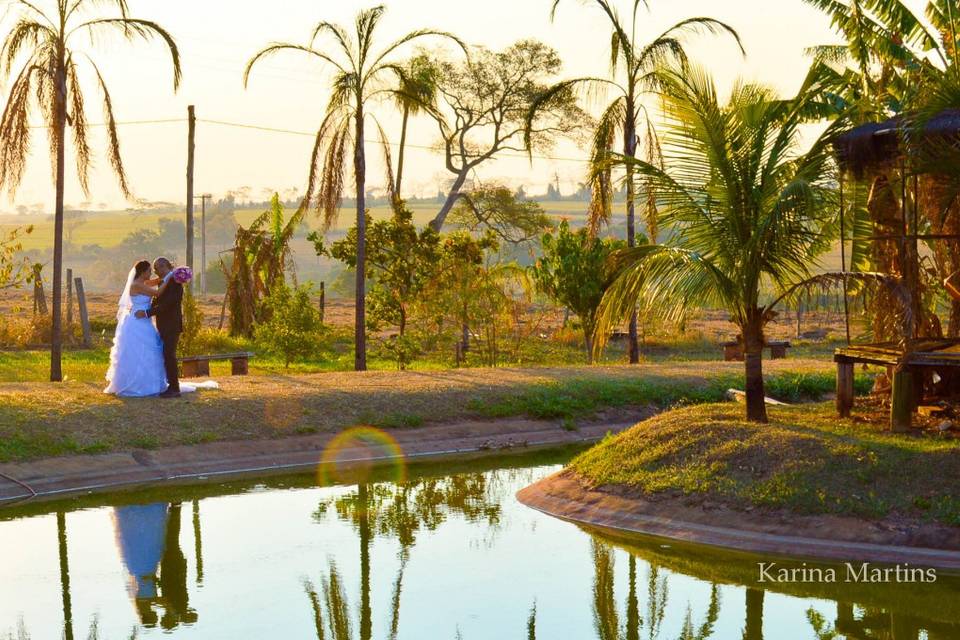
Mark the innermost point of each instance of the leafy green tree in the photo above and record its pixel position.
(48, 83)
(400, 262)
(633, 73)
(497, 208)
(292, 328)
(574, 272)
(746, 207)
(360, 73)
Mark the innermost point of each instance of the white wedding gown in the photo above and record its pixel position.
(136, 359)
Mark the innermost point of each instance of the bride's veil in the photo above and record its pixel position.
(126, 303)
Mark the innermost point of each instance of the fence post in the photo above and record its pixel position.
(323, 301)
(69, 297)
(84, 318)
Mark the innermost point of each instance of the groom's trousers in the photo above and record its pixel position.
(170, 341)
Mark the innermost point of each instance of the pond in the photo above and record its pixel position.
(443, 554)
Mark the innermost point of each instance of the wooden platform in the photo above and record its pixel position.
(906, 373)
(926, 352)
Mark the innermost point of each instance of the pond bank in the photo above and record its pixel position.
(805, 485)
(67, 476)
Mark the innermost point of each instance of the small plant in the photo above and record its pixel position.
(192, 324)
(292, 328)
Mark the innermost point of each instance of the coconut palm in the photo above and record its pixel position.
(746, 208)
(45, 46)
(415, 93)
(360, 77)
(633, 65)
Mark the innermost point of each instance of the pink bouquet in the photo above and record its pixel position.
(183, 275)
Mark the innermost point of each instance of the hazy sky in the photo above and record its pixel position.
(217, 37)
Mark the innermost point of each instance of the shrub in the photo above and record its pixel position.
(292, 327)
(192, 324)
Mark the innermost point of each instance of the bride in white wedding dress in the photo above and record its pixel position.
(136, 359)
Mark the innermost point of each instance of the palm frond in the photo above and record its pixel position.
(137, 28)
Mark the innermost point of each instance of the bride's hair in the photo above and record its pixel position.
(140, 268)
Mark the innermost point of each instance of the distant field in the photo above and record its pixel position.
(107, 229)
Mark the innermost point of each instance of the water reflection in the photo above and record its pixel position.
(435, 556)
(148, 539)
(399, 510)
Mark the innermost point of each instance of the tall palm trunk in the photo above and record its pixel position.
(56, 332)
(753, 367)
(400, 151)
(360, 321)
(630, 150)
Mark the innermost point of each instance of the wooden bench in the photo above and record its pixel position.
(733, 350)
(194, 366)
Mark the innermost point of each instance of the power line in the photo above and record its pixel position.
(256, 127)
(119, 124)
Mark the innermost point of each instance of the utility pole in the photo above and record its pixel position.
(203, 241)
(191, 134)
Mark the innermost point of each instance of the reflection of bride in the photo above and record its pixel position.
(148, 538)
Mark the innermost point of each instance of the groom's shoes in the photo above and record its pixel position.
(170, 393)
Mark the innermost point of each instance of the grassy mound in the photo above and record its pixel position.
(805, 460)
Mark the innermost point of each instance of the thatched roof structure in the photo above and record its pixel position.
(876, 144)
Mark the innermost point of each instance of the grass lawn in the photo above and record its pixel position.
(805, 460)
(38, 419)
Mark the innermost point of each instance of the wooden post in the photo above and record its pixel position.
(844, 388)
(84, 318)
(901, 400)
(39, 298)
(191, 133)
(69, 297)
(323, 301)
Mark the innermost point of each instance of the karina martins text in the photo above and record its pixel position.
(848, 572)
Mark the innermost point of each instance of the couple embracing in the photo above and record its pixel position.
(143, 360)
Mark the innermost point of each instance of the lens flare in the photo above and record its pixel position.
(351, 456)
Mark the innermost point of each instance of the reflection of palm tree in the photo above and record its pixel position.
(605, 618)
(64, 576)
(706, 629)
(656, 600)
(401, 510)
(605, 613)
(338, 608)
(821, 629)
(754, 605)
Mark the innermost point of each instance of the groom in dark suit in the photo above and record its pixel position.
(167, 309)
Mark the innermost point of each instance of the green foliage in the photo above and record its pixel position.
(260, 261)
(14, 269)
(498, 209)
(574, 273)
(292, 328)
(400, 262)
(192, 324)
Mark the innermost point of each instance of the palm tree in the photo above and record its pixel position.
(747, 210)
(48, 83)
(622, 118)
(415, 93)
(360, 74)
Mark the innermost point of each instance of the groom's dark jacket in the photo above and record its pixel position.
(166, 308)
